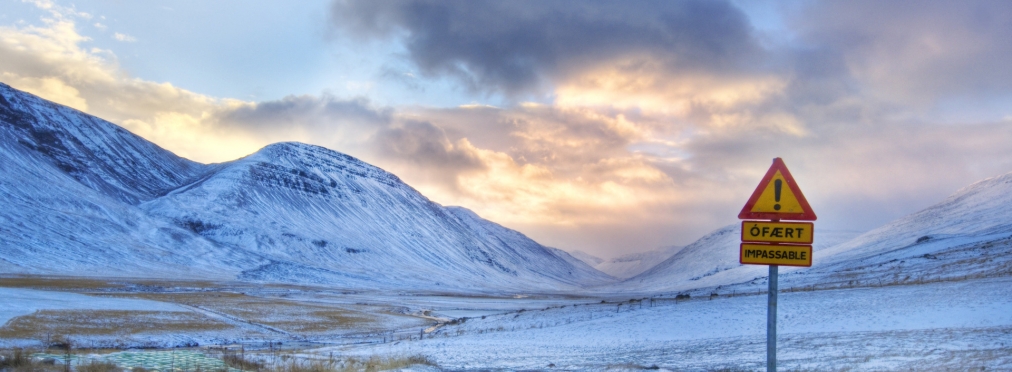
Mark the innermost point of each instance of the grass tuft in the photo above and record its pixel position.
(238, 361)
(19, 360)
(14, 359)
(99, 366)
(373, 364)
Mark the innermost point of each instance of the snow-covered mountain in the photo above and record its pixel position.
(312, 206)
(968, 234)
(627, 265)
(86, 197)
(67, 181)
(587, 258)
(92, 151)
(713, 260)
(632, 264)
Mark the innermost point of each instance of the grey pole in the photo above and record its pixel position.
(771, 322)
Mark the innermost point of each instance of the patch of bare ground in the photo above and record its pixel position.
(44, 324)
(58, 283)
(345, 365)
(289, 316)
(91, 284)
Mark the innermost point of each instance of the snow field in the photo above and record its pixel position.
(865, 328)
(20, 301)
(129, 316)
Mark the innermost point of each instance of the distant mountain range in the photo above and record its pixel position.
(969, 234)
(83, 196)
(631, 264)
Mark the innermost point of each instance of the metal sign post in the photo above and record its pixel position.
(771, 321)
(773, 242)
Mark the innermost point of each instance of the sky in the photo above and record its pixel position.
(609, 127)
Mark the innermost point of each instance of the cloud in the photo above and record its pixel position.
(49, 60)
(306, 111)
(426, 147)
(916, 55)
(520, 48)
(652, 123)
(124, 37)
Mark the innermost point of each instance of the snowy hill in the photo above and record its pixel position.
(969, 234)
(627, 265)
(713, 260)
(66, 184)
(85, 197)
(632, 264)
(982, 209)
(92, 151)
(512, 238)
(312, 206)
(587, 258)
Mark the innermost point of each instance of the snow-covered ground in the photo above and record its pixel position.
(960, 324)
(941, 325)
(20, 301)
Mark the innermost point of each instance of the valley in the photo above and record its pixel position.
(112, 245)
(953, 323)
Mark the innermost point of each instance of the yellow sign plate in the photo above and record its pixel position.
(777, 232)
(776, 254)
(776, 197)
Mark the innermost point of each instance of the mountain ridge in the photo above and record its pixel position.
(285, 211)
(98, 154)
(967, 233)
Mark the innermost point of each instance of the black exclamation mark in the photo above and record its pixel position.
(777, 184)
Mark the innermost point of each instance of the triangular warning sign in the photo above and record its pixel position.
(777, 197)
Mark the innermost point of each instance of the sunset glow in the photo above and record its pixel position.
(602, 127)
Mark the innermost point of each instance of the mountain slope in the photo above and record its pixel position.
(96, 153)
(65, 200)
(713, 260)
(969, 234)
(546, 261)
(587, 258)
(632, 264)
(319, 208)
(85, 197)
(981, 209)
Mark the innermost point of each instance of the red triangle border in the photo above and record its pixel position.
(807, 213)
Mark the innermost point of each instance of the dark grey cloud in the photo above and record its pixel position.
(921, 50)
(515, 47)
(426, 145)
(356, 127)
(306, 110)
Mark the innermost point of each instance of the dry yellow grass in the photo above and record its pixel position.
(222, 298)
(373, 364)
(57, 283)
(48, 323)
(20, 360)
(88, 284)
(290, 316)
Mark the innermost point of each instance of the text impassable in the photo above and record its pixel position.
(777, 232)
(776, 254)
